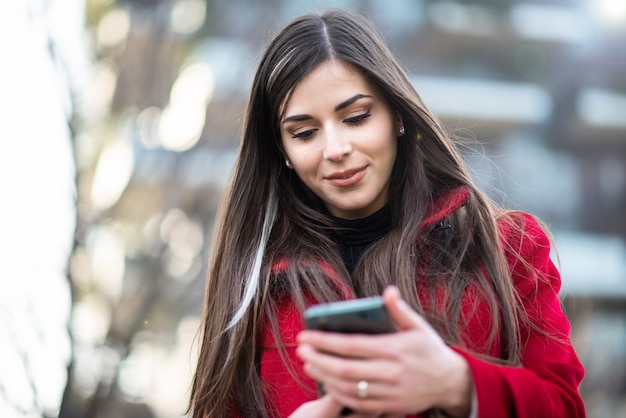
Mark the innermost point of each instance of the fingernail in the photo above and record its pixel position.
(303, 350)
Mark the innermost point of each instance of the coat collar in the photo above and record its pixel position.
(445, 204)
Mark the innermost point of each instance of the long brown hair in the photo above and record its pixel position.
(268, 215)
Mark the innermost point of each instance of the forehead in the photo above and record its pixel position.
(330, 80)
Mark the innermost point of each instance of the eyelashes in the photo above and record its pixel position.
(304, 134)
(352, 121)
(358, 119)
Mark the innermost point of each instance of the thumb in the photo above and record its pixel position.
(400, 312)
(329, 406)
(324, 407)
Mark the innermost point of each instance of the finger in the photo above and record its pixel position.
(365, 406)
(401, 313)
(329, 407)
(364, 415)
(324, 407)
(348, 345)
(375, 389)
(322, 366)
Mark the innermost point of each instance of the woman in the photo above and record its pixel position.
(346, 186)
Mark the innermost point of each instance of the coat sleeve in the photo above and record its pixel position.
(547, 382)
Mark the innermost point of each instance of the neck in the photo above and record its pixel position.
(356, 235)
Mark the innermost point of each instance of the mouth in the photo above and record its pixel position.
(346, 178)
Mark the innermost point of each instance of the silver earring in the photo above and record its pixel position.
(288, 163)
(402, 131)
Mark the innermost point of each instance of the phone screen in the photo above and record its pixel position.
(357, 316)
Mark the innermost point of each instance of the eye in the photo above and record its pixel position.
(303, 134)
(358, 119)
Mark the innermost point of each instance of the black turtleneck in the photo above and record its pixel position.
(356, 235)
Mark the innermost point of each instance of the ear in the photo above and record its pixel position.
(283, 153)
(399, 124)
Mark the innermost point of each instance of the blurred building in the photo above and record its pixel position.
(535, 91)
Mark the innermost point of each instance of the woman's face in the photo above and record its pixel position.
(340, 134)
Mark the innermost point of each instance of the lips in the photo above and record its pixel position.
(347, 178)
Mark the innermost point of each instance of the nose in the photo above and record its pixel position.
(336, 146)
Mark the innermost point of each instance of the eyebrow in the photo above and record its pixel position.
(340, 106)
(351, 100)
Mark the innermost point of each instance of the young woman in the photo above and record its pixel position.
(346, 186)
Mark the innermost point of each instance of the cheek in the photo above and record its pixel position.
(385, 145)
(388, 155)
(303, 157)
(305, 168)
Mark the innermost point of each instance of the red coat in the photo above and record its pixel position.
(546, 385)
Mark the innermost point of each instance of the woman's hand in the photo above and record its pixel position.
(328, 407)
(324, 407)
(408, 371)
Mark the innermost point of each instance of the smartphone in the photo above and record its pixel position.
(357, 316)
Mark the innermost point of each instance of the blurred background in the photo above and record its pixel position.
(120, 123)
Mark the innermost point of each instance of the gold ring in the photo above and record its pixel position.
(362, 387)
